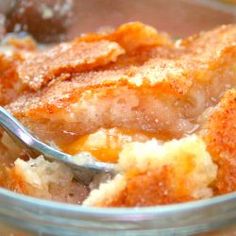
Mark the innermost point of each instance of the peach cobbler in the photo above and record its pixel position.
(163, 110)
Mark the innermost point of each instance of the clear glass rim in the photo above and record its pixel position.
(73, 208)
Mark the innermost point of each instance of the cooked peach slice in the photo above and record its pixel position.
(105, 144)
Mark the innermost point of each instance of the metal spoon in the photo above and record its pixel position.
(84, 166)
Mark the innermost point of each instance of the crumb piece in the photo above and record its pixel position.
(154, 173)
(41, 178)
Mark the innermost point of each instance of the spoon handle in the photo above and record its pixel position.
(83, 171)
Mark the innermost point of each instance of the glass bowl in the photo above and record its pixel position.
(22, 215)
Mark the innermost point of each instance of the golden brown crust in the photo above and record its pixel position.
(149, 189)
(183, 78)
(171, 70)
(221, 140)
(131, 36)
(8, 78)
(72, 57)
(211, 42)
(87, 53)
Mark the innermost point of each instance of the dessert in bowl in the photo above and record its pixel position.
(162, 109)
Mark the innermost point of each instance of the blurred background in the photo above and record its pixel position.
(58, 20)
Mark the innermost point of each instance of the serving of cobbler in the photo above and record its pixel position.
(164, 110)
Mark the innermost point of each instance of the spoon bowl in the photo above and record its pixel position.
(84, 166)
